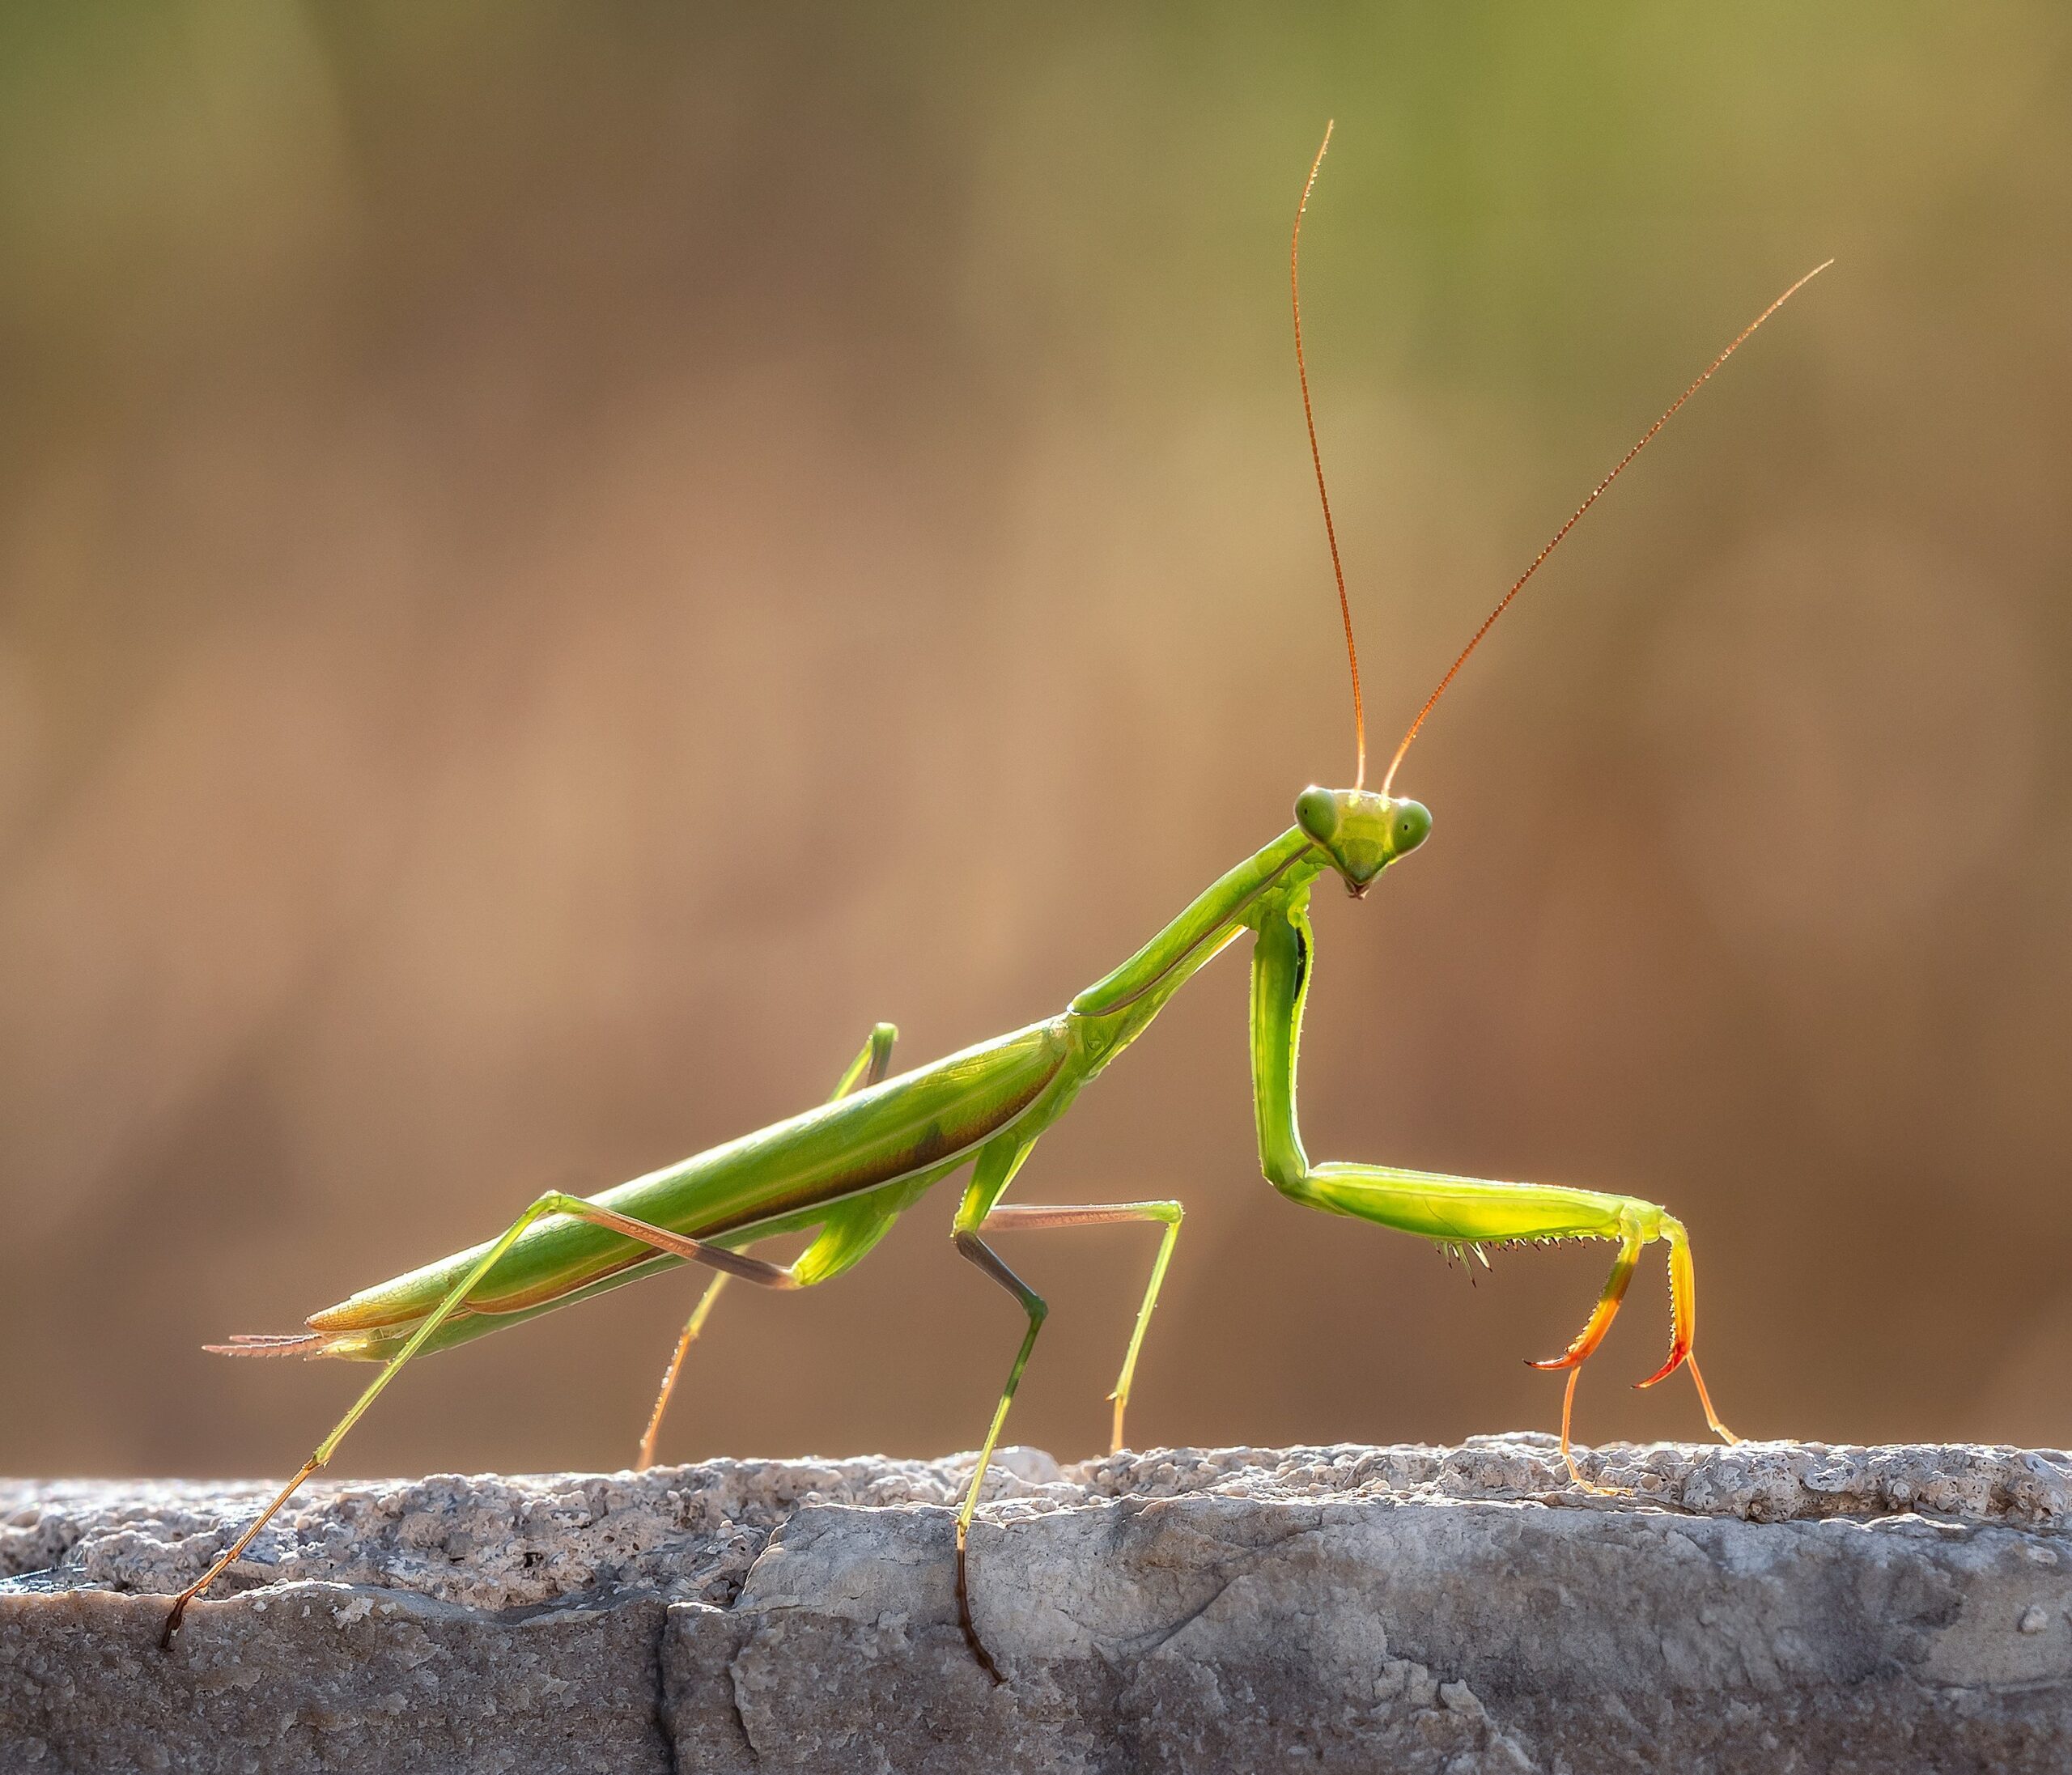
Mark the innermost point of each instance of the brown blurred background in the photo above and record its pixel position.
(557, 561)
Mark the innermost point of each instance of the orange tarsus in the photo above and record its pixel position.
(1646, 438)
(1316, 455)
(1706, 1399)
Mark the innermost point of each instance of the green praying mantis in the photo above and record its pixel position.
(846, 1170)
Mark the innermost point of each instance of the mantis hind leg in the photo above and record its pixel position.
(553, 1203)
(692, 1326)
(869, 1068)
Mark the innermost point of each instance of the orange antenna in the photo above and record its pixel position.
(1647, 438)
(1316, 456)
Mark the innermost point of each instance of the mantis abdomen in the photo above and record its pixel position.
(888, 1140)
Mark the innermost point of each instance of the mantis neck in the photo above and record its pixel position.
(1114, 1010)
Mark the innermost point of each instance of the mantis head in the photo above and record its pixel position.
(1362, 832)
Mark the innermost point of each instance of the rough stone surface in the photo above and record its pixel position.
(1778, 1608)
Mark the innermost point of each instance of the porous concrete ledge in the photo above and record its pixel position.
(1779, 1608)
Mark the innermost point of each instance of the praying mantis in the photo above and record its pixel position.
(846, 1170)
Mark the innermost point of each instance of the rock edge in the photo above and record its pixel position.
(1774, 1606)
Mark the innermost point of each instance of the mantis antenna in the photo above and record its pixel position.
(1647, 438)
(1316, 456)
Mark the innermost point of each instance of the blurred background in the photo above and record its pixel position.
(557, 562)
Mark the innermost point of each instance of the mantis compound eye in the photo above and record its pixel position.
(1408, 827)
(1316, 812)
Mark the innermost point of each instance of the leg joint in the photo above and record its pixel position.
(1299, 1187)
(971, 1246)
(1641, 1223)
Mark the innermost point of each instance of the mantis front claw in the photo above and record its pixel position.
(1645, 1222)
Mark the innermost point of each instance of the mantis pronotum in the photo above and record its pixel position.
(846, 1170)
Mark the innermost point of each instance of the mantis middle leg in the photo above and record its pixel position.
(869, 1067)
(1031, 1220)
(995, 1170)
(1460, 1212)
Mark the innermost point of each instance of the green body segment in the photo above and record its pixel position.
(848, 1167)
(1163, 966)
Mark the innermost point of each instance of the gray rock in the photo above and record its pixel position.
(1780, 1607)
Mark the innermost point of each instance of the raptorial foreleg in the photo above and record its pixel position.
(1457, 1211)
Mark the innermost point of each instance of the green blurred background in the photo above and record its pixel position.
(558, 561)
